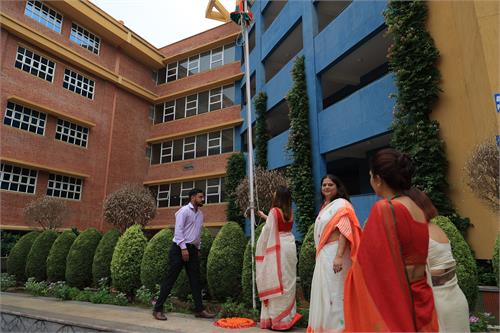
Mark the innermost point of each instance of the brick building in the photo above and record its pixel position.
(88, 105)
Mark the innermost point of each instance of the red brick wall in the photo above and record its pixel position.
(166, 216)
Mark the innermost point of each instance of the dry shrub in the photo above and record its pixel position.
(46, 212)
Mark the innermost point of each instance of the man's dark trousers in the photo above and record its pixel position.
(193, 272)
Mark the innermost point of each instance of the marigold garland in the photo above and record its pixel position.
(235, 322)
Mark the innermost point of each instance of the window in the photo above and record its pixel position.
(175, 194)
(215, 99)
(64, 187)
(43, 14)
(194, 65)
(85, 38)
(167, 150)
(172, 72)
(214, 143)
(189, 148)
(169, 111)
(35, 64)
(72, 133)
(78, 83)
(25, 118)
(272, 10)
(191, 105)
(216, 58)
(17, 179)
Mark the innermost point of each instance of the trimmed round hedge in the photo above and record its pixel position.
(466, 265)
(80, 258)
(101, 265)
(307, 261)
(16, 262)
(182, 288)
(246, 273)
(225, 262)
(36, 263)
(494, 259)
(127, 258)
(155, 261)
(56, 261)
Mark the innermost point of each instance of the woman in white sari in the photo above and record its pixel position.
(276, 265)
(337, 234)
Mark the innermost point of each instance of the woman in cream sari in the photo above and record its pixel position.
(337, 234)
(276, 265)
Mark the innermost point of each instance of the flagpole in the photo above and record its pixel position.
(250, 149)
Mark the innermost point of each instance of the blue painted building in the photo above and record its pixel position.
(350, 111)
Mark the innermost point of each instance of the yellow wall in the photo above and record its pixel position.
(467, 36)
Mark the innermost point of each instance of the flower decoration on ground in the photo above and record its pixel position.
(235, 323)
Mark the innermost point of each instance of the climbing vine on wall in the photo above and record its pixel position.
(261, 133)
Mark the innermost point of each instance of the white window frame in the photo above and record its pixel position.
(185, 150)
(187, 189)
(193, 65)
(218, 187)
(214, 55)
(186, 108)
(174, 71)
(167, 151)
(84, 38)
(167, 199)
(18, 179)
(69, 131)
(44, 15)
(214, 143)
(25, 117)
(57, 182)
(169, 110)
(215, 97)
(75, 81)
(41, 68)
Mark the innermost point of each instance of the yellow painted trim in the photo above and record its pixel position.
(24, 227)
(172, 226)
(218, 126)
(200, 88)
(180, 179)
(59, 114)
(201, 48)
(38, 39)
(43, 167)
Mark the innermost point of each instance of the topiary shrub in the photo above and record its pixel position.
(101, 265)
(307, 261)
(80, 258)
(246, 273)
(225, 262)
(182, 288)
(16, 262)
(155, 261)
(466, 265)
(494, 259)
(56, 261)
(126, 261)
(36, 263)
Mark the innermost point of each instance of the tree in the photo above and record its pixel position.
(482, 174)
(266, 183)
(261, 134)
(131, 204)
(235, 172)
(299, 146)
(413, 61)
(46, 212)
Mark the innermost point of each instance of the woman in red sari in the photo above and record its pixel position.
(386, 288)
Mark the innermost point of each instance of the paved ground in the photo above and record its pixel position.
(107, 317)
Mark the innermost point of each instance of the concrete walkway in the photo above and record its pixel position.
(103, 317)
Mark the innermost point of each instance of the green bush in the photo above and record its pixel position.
(234, 309)
(246, 273)
(466, 265)
(307, 261)
(7, 242)
(62, 291)
(182, 288)
(16, 262)
(80, 258)
(56, 261)
(36, 263)
(101, 265)
(154, 263)
(126, 261)
(36, 288)
(494, 260)
(7, 281)
(225, 262)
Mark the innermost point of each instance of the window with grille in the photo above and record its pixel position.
(85, 38)
(35, 64)
(64, 187)
(191, 105)
(176, 194)
(215, 99)
(24, 118)
(44, 15)
(78, 83)
(18, 179)
(72, 133)
(172, 72)
(216, 58)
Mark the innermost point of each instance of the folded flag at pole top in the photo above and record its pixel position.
(240, 14)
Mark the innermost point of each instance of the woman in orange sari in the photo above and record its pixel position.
(386, 288)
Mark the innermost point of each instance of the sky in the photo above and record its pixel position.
(163, 22)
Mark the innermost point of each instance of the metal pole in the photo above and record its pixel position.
(250, 151)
